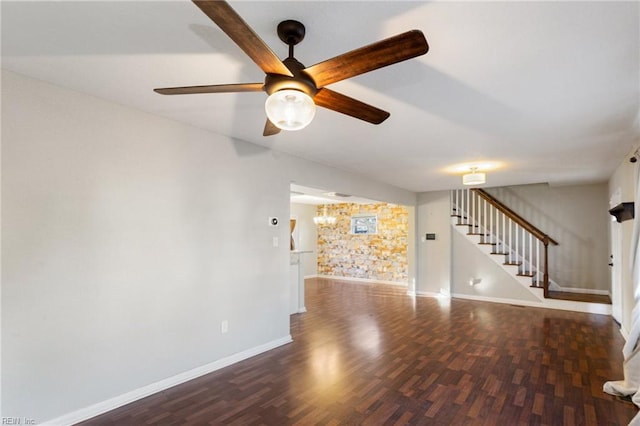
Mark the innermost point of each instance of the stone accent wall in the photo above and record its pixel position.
(382, 256)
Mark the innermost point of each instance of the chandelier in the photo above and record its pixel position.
(324, 219)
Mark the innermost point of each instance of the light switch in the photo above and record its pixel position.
(276, 242)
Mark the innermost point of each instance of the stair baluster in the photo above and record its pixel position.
(484, 217)
(537, 263)
(512, 235)
(508, 233)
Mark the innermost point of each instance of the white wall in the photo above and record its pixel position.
(307, 236)
(623, 179)
(434, 256)
(127, 239)
(469, 262)
(577, 218)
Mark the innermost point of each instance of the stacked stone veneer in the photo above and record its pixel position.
(381, 257)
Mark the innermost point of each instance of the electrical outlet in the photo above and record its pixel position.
(224, 326)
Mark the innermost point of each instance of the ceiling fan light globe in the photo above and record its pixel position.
(290, 109)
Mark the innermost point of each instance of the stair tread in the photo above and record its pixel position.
(513, 263)
(525, 274)
(499, 252)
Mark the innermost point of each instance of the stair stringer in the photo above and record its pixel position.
(511, 270)
(538, 292)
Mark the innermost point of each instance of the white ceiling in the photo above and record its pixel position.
(316, 196)
(548, 90)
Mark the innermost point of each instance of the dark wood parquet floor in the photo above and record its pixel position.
(368, 354)
(592, 298)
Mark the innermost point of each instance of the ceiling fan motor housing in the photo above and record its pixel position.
(291, 33)
(300, 80)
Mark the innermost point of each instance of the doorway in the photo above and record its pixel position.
(345, 248)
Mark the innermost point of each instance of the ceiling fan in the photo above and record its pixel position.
(294, 90)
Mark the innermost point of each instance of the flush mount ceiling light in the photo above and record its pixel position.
(324, 219)
(474, 178)
(290, 109)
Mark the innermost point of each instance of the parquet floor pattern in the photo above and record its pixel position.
(368, 354)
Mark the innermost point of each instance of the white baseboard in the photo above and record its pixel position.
(426, 294)
(134, 395)
(362, 280)
(624, 332)
(563, 305)
(498, 300)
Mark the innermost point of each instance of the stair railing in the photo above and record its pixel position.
(510, 234)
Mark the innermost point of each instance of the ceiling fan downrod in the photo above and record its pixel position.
(291, 33)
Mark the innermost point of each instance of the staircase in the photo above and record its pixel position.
(517, 246)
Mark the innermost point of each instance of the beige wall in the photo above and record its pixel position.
(381, 256)
(577, 217)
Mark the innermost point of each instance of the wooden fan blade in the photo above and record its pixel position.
(216, 88)
(270, 129)
(241, 33)
(341, 103)
(368, 58)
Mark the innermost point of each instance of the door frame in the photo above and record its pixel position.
(615, 261)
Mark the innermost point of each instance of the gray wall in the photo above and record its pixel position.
(433, 256)
(127, 239)
(577, 217)
(574, 215)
